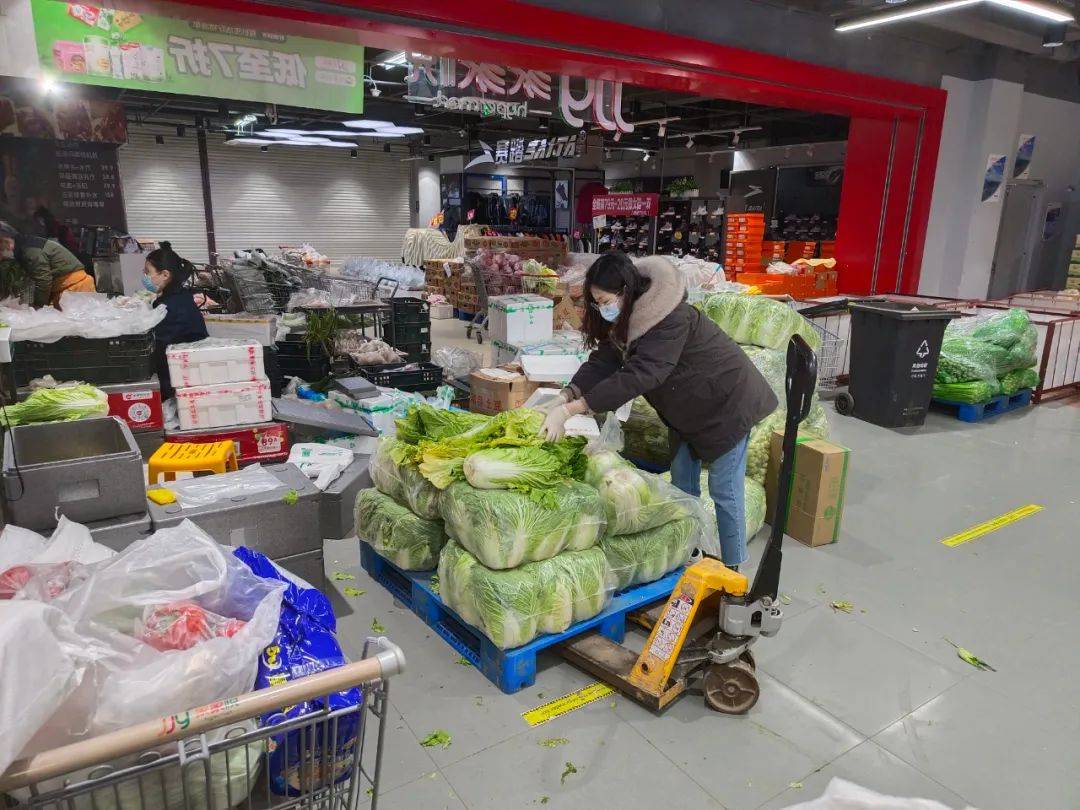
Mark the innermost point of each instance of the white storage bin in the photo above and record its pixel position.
(519, 319)
(214, 361)
(440, 312)
(242, 326)
(213, 406)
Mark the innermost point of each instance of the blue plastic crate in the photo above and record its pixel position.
(510, 670)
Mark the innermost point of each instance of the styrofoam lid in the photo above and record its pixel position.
(550, 367)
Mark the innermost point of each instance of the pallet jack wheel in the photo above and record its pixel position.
(731, 688)
(844, 404)
(480, 336)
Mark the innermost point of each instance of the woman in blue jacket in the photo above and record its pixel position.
(167, 275)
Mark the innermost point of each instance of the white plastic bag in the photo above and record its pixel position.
(195, 492)
(42, 568)
(843, 795)
(128, 681)
(321, 462)
(88, 315)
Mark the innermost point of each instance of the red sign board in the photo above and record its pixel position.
(626, 205)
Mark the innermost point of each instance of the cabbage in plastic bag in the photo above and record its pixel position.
(410, 542)
(512, 607)
(754, 506)
(759, 321)
(645, 436)
(504, 529)
(648, 555)
(987, 348)
(633, 500)
(403, 482)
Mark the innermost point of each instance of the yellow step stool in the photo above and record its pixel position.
(174, 457)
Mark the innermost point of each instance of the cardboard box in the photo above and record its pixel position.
(567, 315)
(494, 390)
(818, 481)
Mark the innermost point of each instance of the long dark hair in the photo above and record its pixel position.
(180, 269)
(614, 273)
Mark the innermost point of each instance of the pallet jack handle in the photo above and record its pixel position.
(799, 385)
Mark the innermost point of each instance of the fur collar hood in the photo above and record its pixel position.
(666, 291)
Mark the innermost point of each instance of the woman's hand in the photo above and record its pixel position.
(555, 425)
(549, 405)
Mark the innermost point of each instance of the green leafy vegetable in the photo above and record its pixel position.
(756, 320)
(634, 501)
(505, 529)
(646, 556)
(341, 576)
(842, 606)
(349, 590)
(408, 541)
(62, 404)
(434, 584)
(436, 738)
(569, 769)
(426, 422)
(377, 627)
(290, 498)
(395, 475)
(465, 662)
(971, 658)
(971, 391)
(554, 742)
(645, 437)
(512, 607)
(1017, 380)
(531, 470)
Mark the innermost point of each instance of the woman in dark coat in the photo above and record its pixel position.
(649, 342)
(167, 274)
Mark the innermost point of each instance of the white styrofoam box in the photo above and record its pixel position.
(440, 312)
(235, 403)
(242, 326)
(520, 319)
(214, 361)
(561, 342)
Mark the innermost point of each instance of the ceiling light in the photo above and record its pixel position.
(1035, 8)
(1054, 35)
(247, 141)
(245, 120)
(607, 154)
(49, 85)
(353, 153)
(399, 59)
(542, 126)
(646, 156)
(337, 133)
(662, 131)
(906, 13)
(311, 140)
(400, 131)
(281, 132)
(367, 123)
(377, 133)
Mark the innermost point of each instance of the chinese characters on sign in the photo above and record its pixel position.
(207, 59)
(626, 205)
(88, 181)
(520, 150)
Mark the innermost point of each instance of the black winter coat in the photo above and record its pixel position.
(703, 386)
(183, 323)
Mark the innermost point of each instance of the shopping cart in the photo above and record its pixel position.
(831, 358)
(210, 758)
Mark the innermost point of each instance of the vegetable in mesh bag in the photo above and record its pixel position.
(504, 529)
(408, 541)
(512, 607)
(62, 404)
(648, 555)
(971, 392)
(752, 319)
(1018, 380)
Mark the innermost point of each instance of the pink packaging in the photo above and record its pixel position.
(69, 57)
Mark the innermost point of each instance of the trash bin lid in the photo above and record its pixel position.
(905, 312)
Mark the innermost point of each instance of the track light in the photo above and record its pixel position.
(618, 135)
(543, 126)
(264, 148)
(180, 130)
(906, 13)
(607, 154)
(353, 153)
(431, 158)
(159, 140)
(690, 142)
(386, 148)
(646, 156)
(1045, 11)
(1054, 35)
(662, 131)
(735, 138)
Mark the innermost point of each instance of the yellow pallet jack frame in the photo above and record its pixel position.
(713, 616)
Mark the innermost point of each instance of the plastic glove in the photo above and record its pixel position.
(555, 425)
(548, 405)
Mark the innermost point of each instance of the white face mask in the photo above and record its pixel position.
(610, 311)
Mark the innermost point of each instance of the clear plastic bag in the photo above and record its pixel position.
(128, 681)
(403, 482)
(505, 529)
(323, 463)
(195, 492)
(410, 542)
(512, 607)
(645, 436)
(759, 321)
(458, 363)
(647, 555)
(88, 315)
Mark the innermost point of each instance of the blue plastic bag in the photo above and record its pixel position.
(305, 644)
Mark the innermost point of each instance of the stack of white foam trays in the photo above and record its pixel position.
(219, 382)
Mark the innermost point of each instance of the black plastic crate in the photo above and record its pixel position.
(426, 377)
(415, 352)
(410, 310)
(103, 361)
(314, 370)
(401, 334)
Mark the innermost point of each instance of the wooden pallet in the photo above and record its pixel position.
(515, 669)
(977, 412)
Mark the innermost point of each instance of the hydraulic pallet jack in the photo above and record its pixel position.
(714, 616)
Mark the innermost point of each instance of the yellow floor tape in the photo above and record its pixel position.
(566, 703)
(991, 525)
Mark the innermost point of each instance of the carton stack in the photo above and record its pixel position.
(439, 275)
(463, 295)
(743, 235)
(828, 249)
(513, 320)
(219, 383)
(800, 250)
(772, 251)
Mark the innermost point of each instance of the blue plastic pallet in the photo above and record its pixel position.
(976, 412)
(510, 670)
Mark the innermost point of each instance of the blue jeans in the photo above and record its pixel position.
(726, 489)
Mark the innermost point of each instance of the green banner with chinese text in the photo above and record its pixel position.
(117, 48)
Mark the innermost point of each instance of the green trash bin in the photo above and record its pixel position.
(894, 357)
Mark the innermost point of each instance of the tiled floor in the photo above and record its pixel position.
(876, 696)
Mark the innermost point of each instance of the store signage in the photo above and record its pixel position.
(626, 205)
(511, 151)
(68, 119)
(600, 102)
(480, 88)
(118, 48)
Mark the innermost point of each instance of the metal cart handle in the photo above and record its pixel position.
(388, 661)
